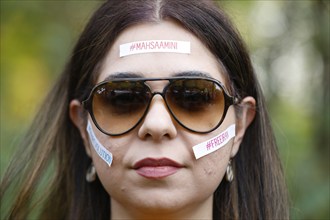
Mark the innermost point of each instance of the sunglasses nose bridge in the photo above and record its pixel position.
(161, 94)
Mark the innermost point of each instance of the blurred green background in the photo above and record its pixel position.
(289, 45)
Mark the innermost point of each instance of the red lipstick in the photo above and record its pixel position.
(156, 168)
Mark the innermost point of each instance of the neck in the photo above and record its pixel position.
(197, 211)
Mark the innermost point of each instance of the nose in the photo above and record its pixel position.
(158, 123)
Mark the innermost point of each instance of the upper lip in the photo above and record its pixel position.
(156, 162)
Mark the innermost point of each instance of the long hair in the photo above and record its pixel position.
(49, 174)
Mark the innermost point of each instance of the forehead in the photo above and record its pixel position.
(160, 64)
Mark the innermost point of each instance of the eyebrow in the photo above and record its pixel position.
(193, 73)
(123, 75)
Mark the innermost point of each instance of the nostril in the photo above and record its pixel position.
(144, 135)
(154, 135)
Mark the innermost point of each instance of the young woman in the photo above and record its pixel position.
(158, 115)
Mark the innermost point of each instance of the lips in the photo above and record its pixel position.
(156, 168)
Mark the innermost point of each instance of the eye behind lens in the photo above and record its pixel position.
(118, 106)
(196, 104)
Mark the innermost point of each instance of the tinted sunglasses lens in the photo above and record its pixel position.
(198, 104)
(118, 106)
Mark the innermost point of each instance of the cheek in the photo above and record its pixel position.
(107, 174)
(211, 168)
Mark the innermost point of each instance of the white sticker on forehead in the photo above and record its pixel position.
(154, 46)
(214, 143)
(99, 148)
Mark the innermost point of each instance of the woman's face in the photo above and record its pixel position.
(188, 186)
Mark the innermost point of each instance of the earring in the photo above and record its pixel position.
(91, 173)
(229, 172)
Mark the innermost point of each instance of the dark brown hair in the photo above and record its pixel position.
(54, 158)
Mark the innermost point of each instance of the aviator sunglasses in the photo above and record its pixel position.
(199, 104)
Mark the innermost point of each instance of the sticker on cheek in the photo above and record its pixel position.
(99, 148)
(154, 46)
(215, 143)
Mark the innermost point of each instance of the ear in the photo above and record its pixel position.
(244, 116)
(77, 117)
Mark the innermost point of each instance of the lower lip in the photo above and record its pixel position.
(157, 172)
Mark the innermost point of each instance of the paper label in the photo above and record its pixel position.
(151, 46)
(214, 143)
(99, 148)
